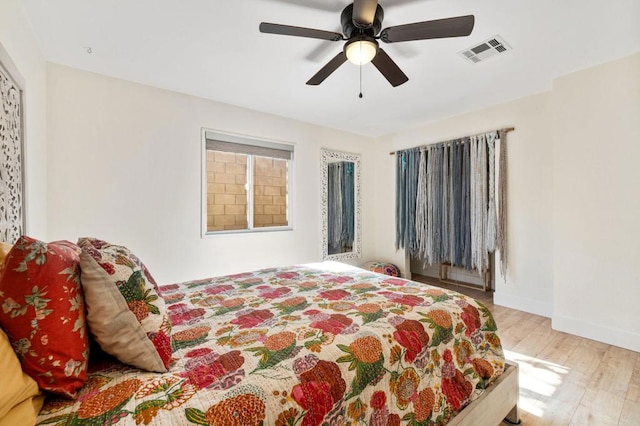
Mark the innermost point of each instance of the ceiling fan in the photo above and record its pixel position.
(361, 24)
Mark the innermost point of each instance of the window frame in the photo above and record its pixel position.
(221, 136)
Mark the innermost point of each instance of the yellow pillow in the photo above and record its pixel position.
(5, 248)
(20, 398)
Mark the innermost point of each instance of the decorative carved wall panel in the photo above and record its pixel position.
(11, 159)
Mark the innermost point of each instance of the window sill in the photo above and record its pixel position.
(247, 231)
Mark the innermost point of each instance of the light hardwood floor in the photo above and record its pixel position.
(564, 379)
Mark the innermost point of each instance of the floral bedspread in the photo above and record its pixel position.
(301, 346)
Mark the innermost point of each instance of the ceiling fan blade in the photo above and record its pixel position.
(440, 28)
(266, 27)
(364, 11)
(389, 69)
(328, 69)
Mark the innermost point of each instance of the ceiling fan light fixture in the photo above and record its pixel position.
(361, 50)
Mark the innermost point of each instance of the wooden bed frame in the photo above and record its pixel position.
(497, 404)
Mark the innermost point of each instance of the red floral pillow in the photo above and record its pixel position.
(126, 315)
(42, 311)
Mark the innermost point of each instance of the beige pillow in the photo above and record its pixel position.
(20, 398)
(126, 315)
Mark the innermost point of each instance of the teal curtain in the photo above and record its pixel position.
(445, 212)
(407, 168)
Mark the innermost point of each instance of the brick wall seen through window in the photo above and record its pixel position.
(228, 195)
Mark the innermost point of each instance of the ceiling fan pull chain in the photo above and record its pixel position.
(360, 95)
(360, 68)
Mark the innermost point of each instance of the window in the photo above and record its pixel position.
(247, 185)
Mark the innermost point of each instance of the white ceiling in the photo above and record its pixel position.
(213, 49)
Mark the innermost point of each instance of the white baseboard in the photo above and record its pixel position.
(523, 304)
(602, 333)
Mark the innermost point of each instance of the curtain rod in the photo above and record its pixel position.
(505, 130)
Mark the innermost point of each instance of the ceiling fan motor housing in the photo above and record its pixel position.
(350, 29)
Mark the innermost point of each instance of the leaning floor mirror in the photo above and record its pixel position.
(340, 205)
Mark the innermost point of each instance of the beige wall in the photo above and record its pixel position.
(18, 44)
(596, 206)
(573, 199)
(124, 164)
(130, 150)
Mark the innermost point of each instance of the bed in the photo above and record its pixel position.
(321, 344)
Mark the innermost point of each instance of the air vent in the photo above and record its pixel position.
(485, 50)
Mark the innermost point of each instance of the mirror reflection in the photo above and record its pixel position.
(340, 205)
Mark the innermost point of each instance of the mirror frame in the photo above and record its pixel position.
(327, 156)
